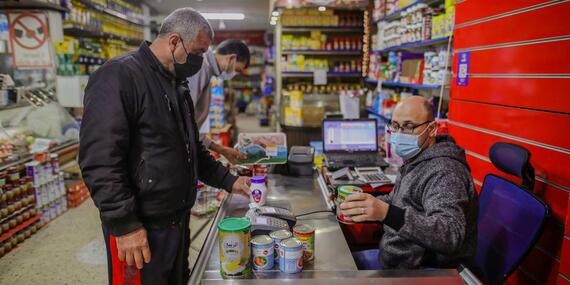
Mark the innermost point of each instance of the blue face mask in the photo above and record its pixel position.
(406, 146)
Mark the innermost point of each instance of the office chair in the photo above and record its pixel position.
(511, 217)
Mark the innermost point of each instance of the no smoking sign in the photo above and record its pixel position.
(29, 36)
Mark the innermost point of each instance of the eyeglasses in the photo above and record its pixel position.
(407, 128)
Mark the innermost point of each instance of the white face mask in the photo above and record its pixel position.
(230, 72)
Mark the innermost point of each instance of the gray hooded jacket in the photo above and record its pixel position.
(432, 219)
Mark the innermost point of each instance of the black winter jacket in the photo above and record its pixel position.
(139, 151)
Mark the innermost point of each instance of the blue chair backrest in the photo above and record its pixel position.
(513, 159)
(511, 219)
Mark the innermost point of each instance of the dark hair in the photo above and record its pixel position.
(237, 47)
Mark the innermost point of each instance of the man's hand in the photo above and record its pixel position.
(229, 153)
(362, 207)
(232, 155)
(133, 248)
(241, 186)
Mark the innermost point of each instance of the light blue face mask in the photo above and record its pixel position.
(406, 146)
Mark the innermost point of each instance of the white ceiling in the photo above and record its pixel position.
(256, 11)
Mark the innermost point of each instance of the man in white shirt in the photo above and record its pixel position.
(228, 59)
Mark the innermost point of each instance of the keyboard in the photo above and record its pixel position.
(338, 161)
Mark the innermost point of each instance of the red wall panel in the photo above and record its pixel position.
(546, 162)
(541, 23)
(540, 58)
(552, 237)
(546, 127)
(565, 260)
(518, 92)
(562, 281)
(467, 10)
(542, 267)
(551, 195)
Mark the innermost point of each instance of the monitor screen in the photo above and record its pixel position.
(357, 135)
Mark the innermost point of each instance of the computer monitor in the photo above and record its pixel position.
(350, 136)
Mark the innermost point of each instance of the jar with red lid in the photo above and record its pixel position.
(9, 193)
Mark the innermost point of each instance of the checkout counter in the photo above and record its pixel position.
(333, 263)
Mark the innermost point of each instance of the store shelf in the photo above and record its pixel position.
(30, 4)
(321, 29)
(18, 212)
(418, 44)
(401, 84)
(83, 32)
(330, 73)
(112, 13)
(397, 14)
(19, 227)
(26, 158)
(384, 118)
(410, 85)
(322, 52)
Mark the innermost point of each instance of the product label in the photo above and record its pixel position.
(263, 258)
(290, 261)
(463, 69)
(256, 195)
(232, 247)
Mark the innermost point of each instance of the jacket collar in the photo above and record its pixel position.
(154, 63)
(211, 58)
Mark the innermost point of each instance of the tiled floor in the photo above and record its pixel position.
(71, 250)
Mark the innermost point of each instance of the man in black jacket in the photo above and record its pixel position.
(140, 155)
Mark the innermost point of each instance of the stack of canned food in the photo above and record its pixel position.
(282, 249)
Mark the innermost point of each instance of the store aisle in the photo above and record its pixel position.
(250, 124)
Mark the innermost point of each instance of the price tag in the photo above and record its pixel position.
(320, 77)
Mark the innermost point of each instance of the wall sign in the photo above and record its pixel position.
(463, 69)
(29, 38)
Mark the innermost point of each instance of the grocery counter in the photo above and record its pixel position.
(333, 263)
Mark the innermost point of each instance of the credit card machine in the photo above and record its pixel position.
(267, 219)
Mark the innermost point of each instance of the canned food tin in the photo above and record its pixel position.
(262, 252)
(233, 236)
(291, 256)
(343, 192)
(278, 236)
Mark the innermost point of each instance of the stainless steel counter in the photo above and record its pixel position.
(333, 262)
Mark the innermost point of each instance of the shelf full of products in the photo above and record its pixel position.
(315, 46)
(424, 27)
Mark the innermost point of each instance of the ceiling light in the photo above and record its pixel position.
(224, 16)
(322, 8)
(274, 18)
(275, 13)
(273, 23)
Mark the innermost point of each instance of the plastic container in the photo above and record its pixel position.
(234, 238)
(258, 190)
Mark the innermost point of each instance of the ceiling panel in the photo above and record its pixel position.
(256, 11)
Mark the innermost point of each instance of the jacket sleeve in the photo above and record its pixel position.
(442, 225)
(104, 148)
(210, 171)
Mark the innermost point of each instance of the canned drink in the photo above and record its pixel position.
(306, 234)
(278, 236)
(262, 252)
(233, 236)
(291, 256)
(343, 192)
